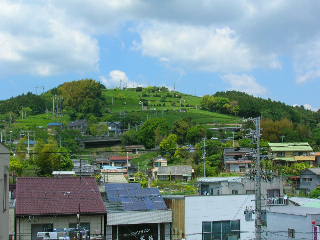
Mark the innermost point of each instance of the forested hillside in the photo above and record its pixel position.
(250, 106)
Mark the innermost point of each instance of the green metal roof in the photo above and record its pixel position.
(287, 159)
(290, 147)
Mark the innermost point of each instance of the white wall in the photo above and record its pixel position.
(4, 213)
(279, 223)
(217, 208)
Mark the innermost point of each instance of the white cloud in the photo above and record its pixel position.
(49, 37)
(307, 61)
(203, 48)
(244, 83)
(119, 79)
(35, 39)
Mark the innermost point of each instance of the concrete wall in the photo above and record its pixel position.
(4, 193)
(199, 209)
(23, 224)
(279, 223)
(226, 188)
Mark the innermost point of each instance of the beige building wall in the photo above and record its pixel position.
(4, 193)
(23, 224)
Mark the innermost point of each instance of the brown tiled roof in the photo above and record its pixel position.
(120, 158)
(58, 196)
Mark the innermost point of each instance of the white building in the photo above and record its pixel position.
(292, 222)
(4, 193)
(212, 217)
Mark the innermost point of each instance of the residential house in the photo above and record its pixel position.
(120, 161)
(43, 204)
(112, 174)
(309, 179)
(212, 217)
(238, 159)
(4, 193)
(53, 127)
(80, 125)
(156, 163)
(135, 148)
(134, 212)
(179, 172)
(272, 190)
(292, 222)
(115, 128)
(83, 167)
(289, 153)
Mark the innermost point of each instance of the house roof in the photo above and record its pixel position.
(183, 170)
(219, 179)
(316, 171)
(294, 210)
(58, 196)
(305, 202)
(287, 147)
(120, 158)
(55, 124)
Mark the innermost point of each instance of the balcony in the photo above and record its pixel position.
(277, 201)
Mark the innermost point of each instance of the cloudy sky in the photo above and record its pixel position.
(266, 48)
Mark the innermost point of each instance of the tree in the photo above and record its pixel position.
(315, 193)
(51, 158)
(99, 129)
(168, 146)
(180, 128)
(153, 131)
(16, 165)
(195, 134)
(83, 97)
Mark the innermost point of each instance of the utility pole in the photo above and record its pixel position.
(28, 150)
(258, 220)
(204, 157)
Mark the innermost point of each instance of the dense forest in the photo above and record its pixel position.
(250, 106)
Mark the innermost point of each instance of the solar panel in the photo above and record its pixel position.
(133, 197)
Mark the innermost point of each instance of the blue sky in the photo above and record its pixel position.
(265, 48)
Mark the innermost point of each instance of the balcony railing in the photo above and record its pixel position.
(277, 201)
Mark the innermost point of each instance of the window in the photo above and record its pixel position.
(280, 154)
(242, 168)
(221, 230)
(307, 179)
(5, 192)
(234, 192)
(291, 233)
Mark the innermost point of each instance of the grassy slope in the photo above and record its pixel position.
(128, 101)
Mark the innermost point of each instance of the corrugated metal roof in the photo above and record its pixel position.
(306, 202)
(287, 147)
(183, 170)
(294, 210)
(220, 179)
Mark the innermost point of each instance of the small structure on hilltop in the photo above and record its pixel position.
(80, 125)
